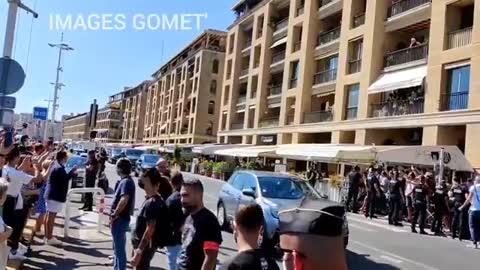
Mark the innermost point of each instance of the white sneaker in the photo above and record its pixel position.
(16, 256)
(53, 242)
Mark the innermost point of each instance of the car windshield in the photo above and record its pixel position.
(133, 152)
(285, 188)
(76, 161)
(116, 151)
(151, 158)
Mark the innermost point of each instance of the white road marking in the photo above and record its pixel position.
(372, 223)
(360, 227)
(424, 266)
(388, 258)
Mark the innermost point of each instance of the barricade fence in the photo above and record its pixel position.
(98, 193)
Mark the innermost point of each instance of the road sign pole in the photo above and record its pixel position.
(10, 31)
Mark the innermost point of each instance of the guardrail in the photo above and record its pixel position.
(100, 206)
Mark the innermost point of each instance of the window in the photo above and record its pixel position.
(458, 86)
(250, 183)
(239, 181)
(211, 107)
(356, 50)
(209, 130)
(215, 66)
(352, 99)
(294, 74)
(213, 87)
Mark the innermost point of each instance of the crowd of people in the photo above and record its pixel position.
(414, 196)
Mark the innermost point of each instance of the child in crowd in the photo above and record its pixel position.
(5, 230)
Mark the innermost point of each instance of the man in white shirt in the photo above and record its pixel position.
(474, 212)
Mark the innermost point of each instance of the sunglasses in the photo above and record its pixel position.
(282, 251)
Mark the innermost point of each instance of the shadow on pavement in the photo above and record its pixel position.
(361, 261)
(53, 262)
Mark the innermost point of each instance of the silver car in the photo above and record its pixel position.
(272, 191)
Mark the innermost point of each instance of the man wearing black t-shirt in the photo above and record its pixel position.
(247, 226)
(201, 236)
(177, 218)
(153, 223)
(92, 167)
(354, 178)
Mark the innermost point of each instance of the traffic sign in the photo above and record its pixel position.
(12, 76)
(40, 113)
(7, 102)
(6, 117)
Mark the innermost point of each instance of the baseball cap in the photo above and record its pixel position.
(313, 217)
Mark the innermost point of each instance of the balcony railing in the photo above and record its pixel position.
(242, 99)
(247, 44)
(358, 20)
(351, 113)
(281, 24)
(406, 55)
(455, 101)
(325, 2)
(293, 83)
(236, 126)
(290, 119)
(269, 122)
(328, 36)
(318, 117)
(277, 57)
(354, 66)
(404, 5)
(300, 10)
(460, 38)
(244, 72)
(325, 76)
(275, 90)
(399, 107)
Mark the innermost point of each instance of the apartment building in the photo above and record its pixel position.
(109, 124)
(131, 102)
(183, 102)
(390, 72)
(77, 127)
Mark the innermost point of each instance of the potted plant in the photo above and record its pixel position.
(217, 170)
(208, 168)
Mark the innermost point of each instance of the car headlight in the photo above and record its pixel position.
(274, 212)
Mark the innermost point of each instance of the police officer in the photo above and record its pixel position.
(354, 178)
(420, 202)
(396, 199)
(459, 193)
(440, 201)
(374, 193)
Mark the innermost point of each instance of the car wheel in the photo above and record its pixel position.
(222, 216)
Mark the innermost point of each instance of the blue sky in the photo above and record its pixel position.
(104, 61)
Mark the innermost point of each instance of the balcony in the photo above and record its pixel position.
(236, 126)
(351, 113)
(460, 38)
(398, 108)
(407, 55)
(318, 117)
(358, 20)
(325, 76)
(329, 7)
(241, 99)
(290, 119)
(328, 36)
(269, 122)
(278, 57)
(404, 5)
(300, 10)
(244, 72)
(354, 66)
(281, 25)
(247, 44)
(293, 83)
(275, 90)
(454, 101)
(325, 2)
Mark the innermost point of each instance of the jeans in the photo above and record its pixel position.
(172, 254)
(460, 222)
(395, 206)
(474, 221)
(119, 230)
(420, 215)
(371, 205)
(352, 196)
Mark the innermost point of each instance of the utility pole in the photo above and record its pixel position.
(57, 86)
(45, 128)
(13, 6)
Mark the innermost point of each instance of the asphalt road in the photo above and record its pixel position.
(373, 244)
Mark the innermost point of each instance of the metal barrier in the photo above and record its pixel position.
(100, 206)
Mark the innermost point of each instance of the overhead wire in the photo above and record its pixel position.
(30, 39)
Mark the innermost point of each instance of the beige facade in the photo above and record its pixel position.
(355, 72)
(132, 102)
(76, 127)
(182, 104)
(109, 124)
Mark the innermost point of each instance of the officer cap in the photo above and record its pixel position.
(321, 218)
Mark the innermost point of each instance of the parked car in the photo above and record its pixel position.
(115, 155)
(146, 161)
(132, 154)
(79, 161)
(273, 192)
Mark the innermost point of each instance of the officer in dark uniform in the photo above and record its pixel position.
(395, 200)
(373, 186)
(459, 193)
(354, 178)
(420, 202)
(440, 201)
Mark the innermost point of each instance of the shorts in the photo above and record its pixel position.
(54, 206)
(409, 202)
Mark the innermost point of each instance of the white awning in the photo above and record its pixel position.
(253, 151)
(148, 147)
(330, 153)
(209, 149)
(279, 42)
(398, 80)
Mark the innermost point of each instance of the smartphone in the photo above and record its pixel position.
(8, 138)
